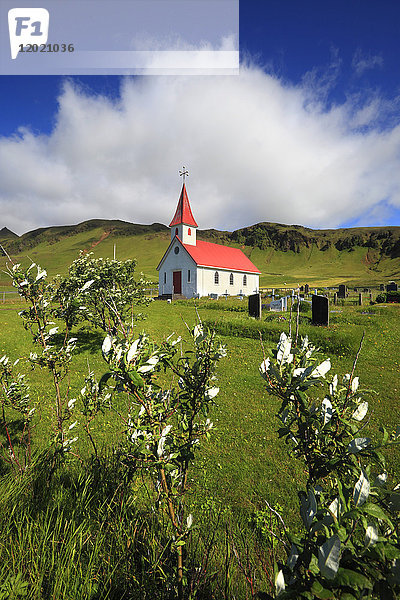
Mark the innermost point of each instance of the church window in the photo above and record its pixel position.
(244, 279)
(231, 279)
(165, 277)
(176, 231)
(176, 249)
(188, 275)
(189, 231)
(216, 278)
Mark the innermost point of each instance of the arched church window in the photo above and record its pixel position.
(165, 277)
(231, 279)
(244, 279)
(216, 278)
(176, 231)
(189, 231)
(176, 249)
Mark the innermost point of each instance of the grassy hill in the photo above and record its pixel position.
(285, 254)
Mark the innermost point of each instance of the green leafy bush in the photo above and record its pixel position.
(349, 547)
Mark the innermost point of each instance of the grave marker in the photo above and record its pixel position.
(342, 291)
(391, 287)
(255, 306)
(320, 310)
(306, 289)
(276, 305)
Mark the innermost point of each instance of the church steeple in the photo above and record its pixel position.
(183, 224)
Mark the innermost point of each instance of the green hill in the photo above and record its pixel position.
(285, 254)
(6, 234)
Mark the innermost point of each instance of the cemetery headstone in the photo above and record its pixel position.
(276, 305)
(320, 310)
(342, 291)
(335, 298)
(302, 288)
(391, 287)
(255, 306)
(306, 289)
(360, 299)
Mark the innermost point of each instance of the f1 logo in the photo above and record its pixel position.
(27, 25)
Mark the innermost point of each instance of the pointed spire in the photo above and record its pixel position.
(183, 213)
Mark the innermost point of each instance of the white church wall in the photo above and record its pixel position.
(177, 262)
(207, 285)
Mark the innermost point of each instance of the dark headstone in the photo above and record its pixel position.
(255, 306)
(306, 288)
(320, 310)
(360, 299)
(302, 288)
(366, 290)
(335, 298)
(391, 287)
(342, 291)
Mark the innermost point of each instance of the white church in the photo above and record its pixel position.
(193, 268)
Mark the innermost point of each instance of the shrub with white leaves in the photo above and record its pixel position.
(165, 426)
(349, 547)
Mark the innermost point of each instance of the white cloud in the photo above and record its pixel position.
(363, 62)
(256, 149)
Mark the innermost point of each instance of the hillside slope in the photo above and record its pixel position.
(285, 254)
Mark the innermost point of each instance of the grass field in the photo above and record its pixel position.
(245, 414)
(243, 464)
(358, 265)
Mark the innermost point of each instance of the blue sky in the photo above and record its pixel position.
(308, 133)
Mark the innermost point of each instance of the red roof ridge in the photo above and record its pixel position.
(208, 254)
(183, 213)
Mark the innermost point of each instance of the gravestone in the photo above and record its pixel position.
(320, 310)
(335, 298)
(255, 306)
(360, 299)
(370, 297)
(391, 287)
(277, 305)
(302, 288)
(306, 289)
(342, 291)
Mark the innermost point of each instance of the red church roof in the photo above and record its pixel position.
(206, 254)
(183, 213)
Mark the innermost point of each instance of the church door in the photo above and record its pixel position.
(177, 282)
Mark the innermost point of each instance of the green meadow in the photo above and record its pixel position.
(89, 533)
(241, 466)
(320, 258)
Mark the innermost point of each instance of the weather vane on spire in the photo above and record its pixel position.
(183, 173)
